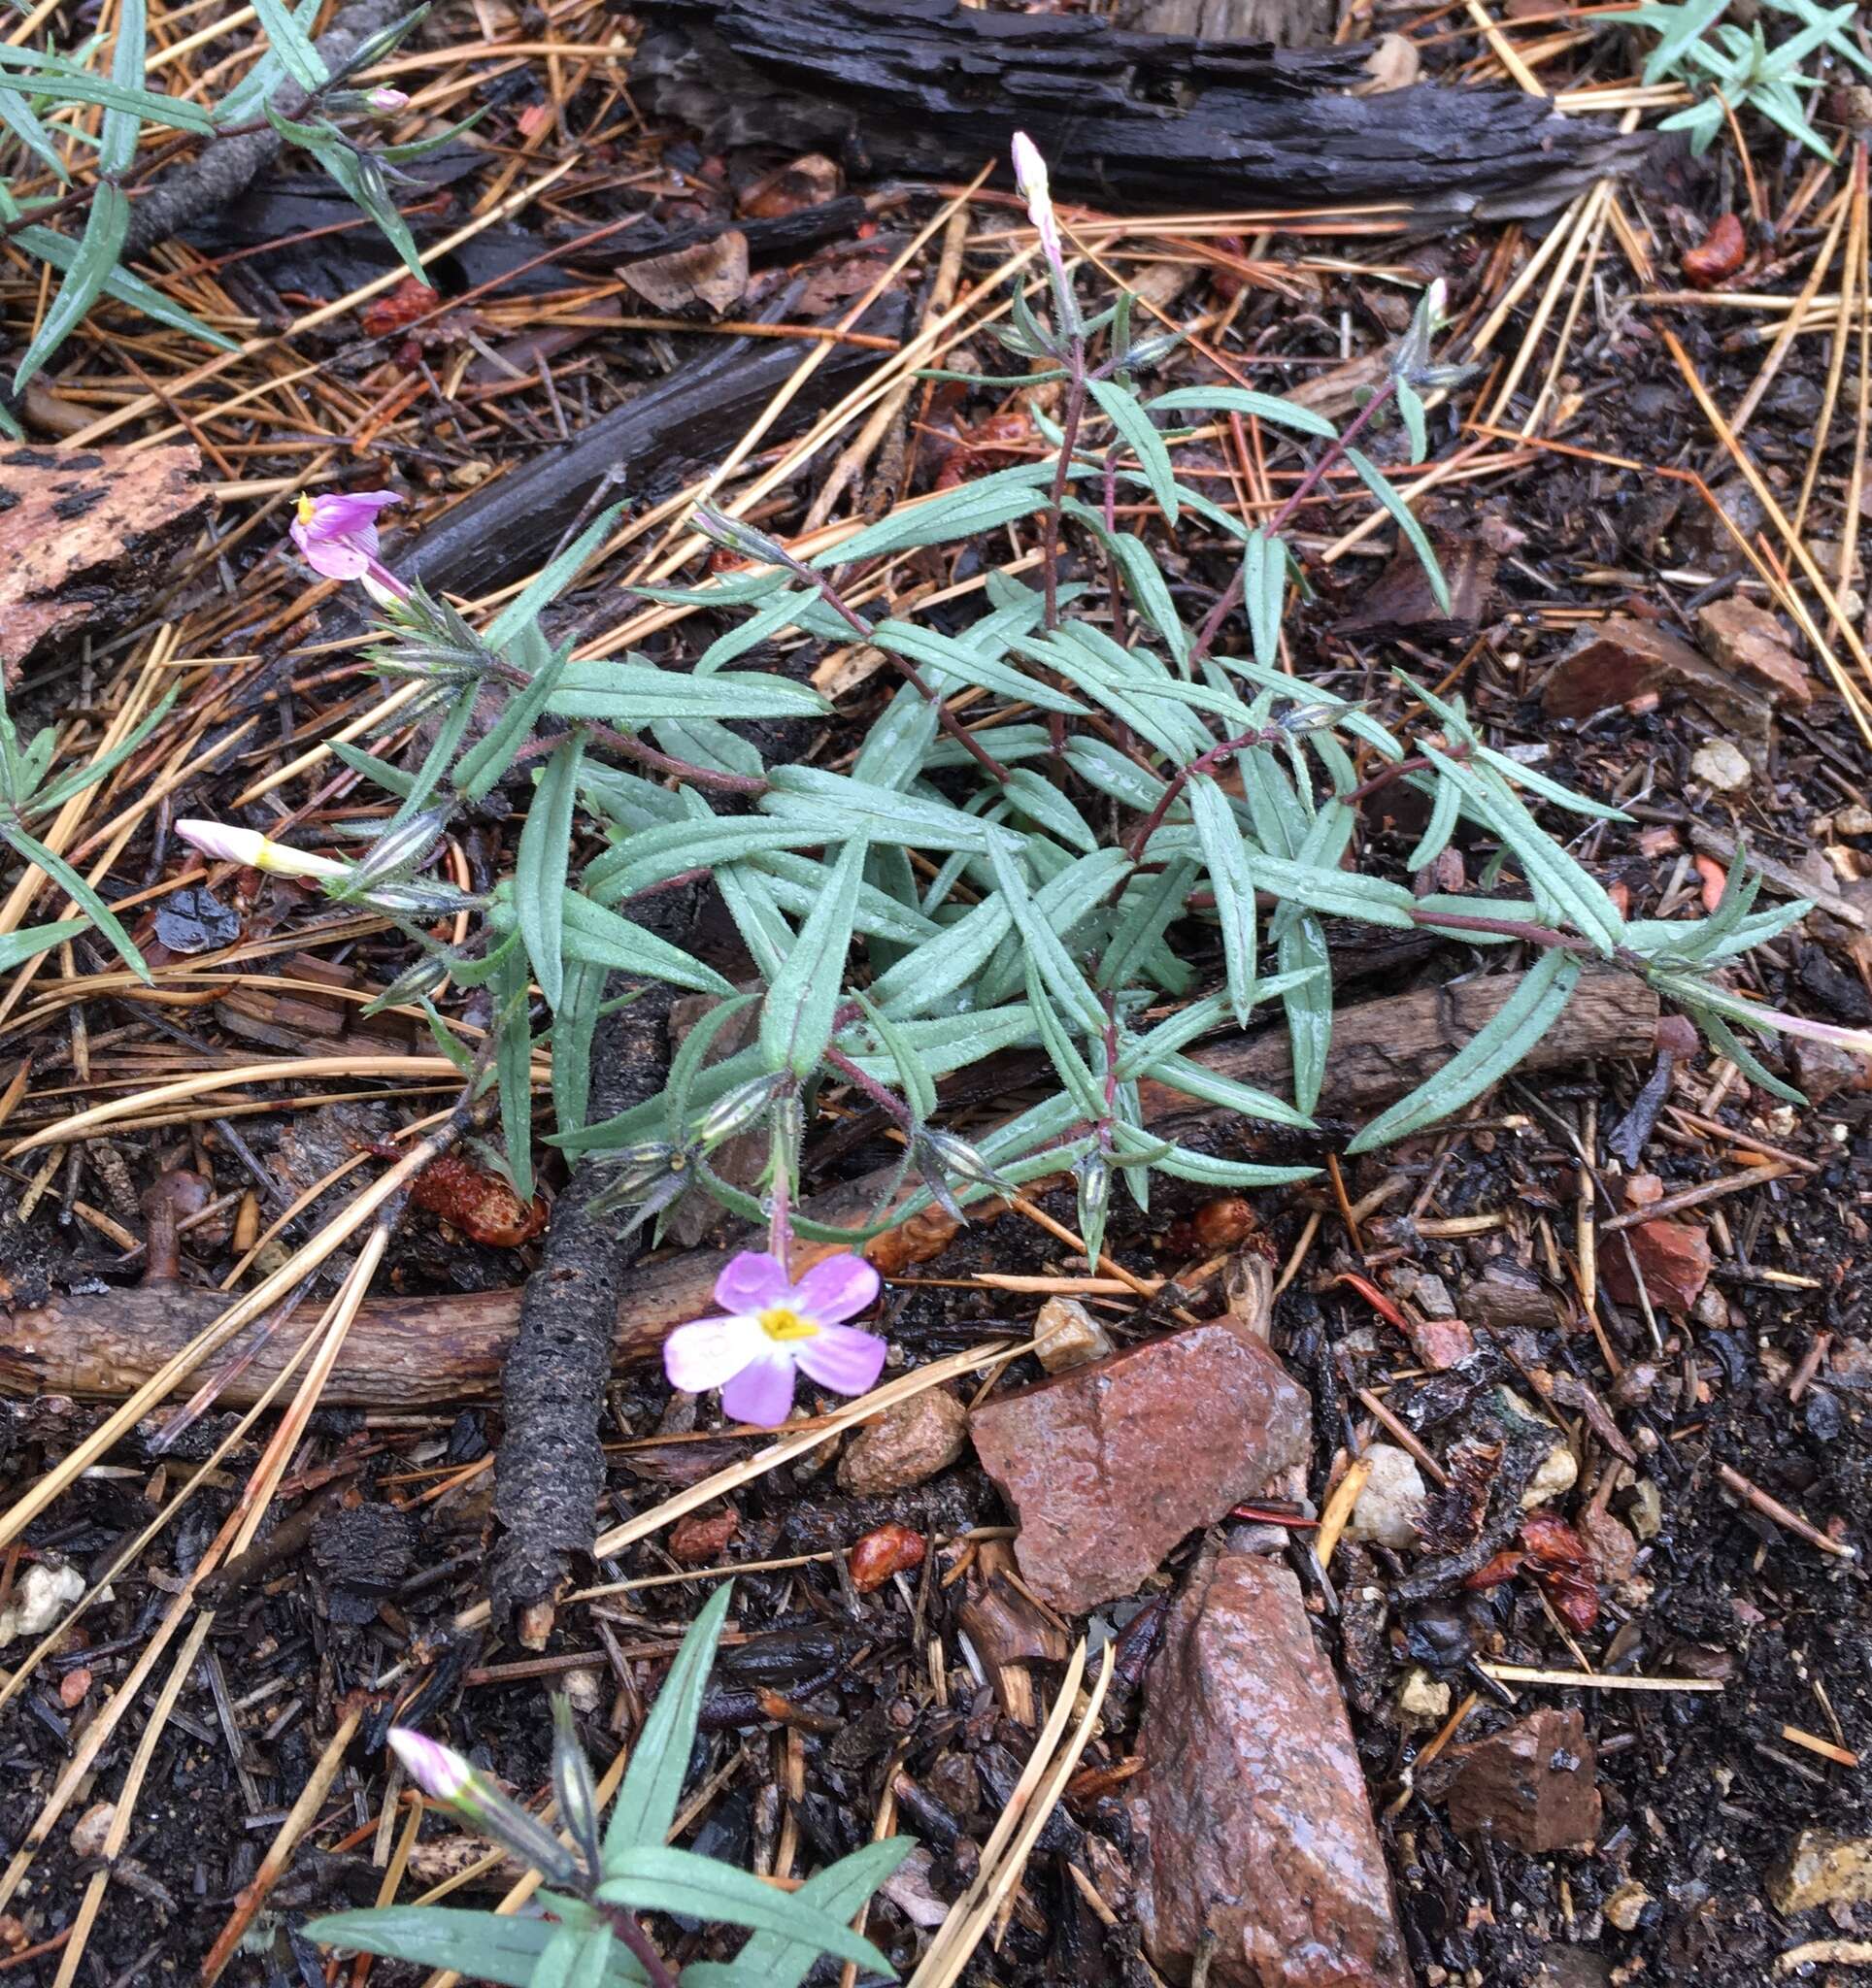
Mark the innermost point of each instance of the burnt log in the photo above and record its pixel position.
(932, 89)
(407, 1351)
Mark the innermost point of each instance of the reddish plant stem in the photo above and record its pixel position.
(649, 756)
(623, 1922)
(1231, 598)
(1062, 470)
(914, 676)
(893, 1108)
(1267, 735)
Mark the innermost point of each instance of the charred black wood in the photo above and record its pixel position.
(229, 166)
(933, 90)
(644, 448)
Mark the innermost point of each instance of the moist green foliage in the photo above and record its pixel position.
(1723, 64)
(599, 1882)
(1034, 880)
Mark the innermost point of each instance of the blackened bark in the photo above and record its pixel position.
(549, 1471)
(934, 90)
(229, 166)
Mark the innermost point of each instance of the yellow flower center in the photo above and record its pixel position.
(783, 1322)
(305, 508)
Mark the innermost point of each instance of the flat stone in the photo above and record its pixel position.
(1251, 1810)
(1530, 1785)
(1388, 1507)
(1442, 1343)
(1673, 1258)
(1108, 1466)
(1624, 657)
(1069, 1336)
(1720, 765)
(1823, 1868)
(905, 1445)
(1750, 642)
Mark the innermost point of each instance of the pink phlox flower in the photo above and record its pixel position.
(337, 536)
(774, 1326)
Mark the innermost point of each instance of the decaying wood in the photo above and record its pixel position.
(936, 89)
(410, 1350)
(549, 1471)
(228, 166)
(511, 526)
(84, 536)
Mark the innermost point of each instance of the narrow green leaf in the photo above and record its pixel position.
(637, 693)
(1524, 1018)
(552, 578)
(796, 1017)
(80, 893)
(654, 1876)
(1229, 873)
(104, 229)
(646, 1808)
(540, 864)
(602, 938)
(1301, 949)
(1134, 427)
(479, 1946)
(16, 113)
(1243, 400)
(1380, 486)
(513, 1061)
(771, 1959)
(293, 47)
(483, 764)
(61, 251)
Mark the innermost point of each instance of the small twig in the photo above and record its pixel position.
(1782, 1514)
(1690, 1197)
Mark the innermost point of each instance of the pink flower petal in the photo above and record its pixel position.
(751, 1281)
(712, 1351)
(348, 512)
(335, 558)
(842, 1358)
(836, 1289)
(762, 1392)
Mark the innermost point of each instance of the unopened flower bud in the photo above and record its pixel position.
(223, 842)
(735, 1111)
(386, 102)
(733, 536)
(445, 1777)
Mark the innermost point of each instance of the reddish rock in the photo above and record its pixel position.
(1750, 642)
(1624, 657)
(1530, 1785)
(1108, 1466)
(889, 1549)
(1250, 1809)
(1442, 1343)
(1717, 257)
(699, 1538)
(1673, 1259)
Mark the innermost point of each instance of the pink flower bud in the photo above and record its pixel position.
(222, 843)
(439, 1771)
(386, 102)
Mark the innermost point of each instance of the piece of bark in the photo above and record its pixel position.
(414, 1350)
(1286, 24)
(1136, 121)
(550, 1470)
(511, 526)
(85, 537)
(226, 168)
